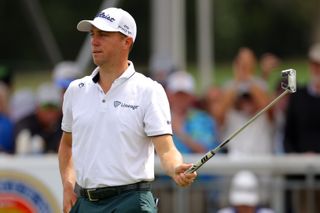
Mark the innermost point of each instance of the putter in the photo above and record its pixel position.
(288, 84)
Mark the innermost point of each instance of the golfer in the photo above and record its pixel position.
(113, 122)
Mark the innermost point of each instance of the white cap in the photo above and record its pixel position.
(314, 53)
(180, 81)
(65, 72)
(111, 20)
(48, 93)
(25, 98)
(244, 189)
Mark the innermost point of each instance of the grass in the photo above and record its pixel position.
(222, 73)
(31, 79)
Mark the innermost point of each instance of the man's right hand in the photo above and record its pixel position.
(69, 199)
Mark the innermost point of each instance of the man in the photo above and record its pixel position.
(39, 131)
(244, 196)
(194, 131)
(112, 121)
(244, 96)
(302, 129)
(6, 125)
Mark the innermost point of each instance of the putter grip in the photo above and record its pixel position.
(204, 159)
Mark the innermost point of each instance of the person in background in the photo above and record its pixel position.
(194, 130)
(6, 77)
(6, 125)
(40, 131)
(64, 73)
(23, 97)
(211, 103)
(302, 129)
(244, 196)
(244, 96)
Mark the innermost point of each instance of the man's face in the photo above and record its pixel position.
(106, 46)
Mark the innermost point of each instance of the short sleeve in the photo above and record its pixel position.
(157, 119)
(67, 118)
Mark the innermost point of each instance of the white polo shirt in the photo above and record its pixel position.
(110, 132)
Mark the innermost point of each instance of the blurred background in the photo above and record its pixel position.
(208, 43)
(38, 34)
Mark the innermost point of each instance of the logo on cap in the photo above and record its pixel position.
(108, 17)
(125, 29)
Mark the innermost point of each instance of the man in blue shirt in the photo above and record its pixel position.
(6, 126)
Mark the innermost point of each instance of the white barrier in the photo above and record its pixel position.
(39, 175)
(278, 165)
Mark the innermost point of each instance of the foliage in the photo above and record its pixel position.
(284, 27)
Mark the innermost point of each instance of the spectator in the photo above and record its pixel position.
(64, 73)
(40, 131)
(211, 102)
(6, 125)
(26, 98)
(244, 195)
(302, 129)
(194, 131)
(6, 76)
(243, 97)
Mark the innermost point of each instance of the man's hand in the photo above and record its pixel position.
(69, 199)
(181, 178)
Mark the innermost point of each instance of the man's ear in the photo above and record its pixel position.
(129, 42)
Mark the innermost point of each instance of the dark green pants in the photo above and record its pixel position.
(128, 202)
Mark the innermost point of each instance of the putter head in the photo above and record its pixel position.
(289, 80)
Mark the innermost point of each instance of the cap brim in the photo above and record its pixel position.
(243, 198)
(86, 26)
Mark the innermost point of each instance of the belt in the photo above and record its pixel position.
(96, 194)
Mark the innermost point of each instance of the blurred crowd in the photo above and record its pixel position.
(30, 120)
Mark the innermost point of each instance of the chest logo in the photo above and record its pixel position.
(124, 105)
(116, 104)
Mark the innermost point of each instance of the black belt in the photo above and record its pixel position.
(96, 194)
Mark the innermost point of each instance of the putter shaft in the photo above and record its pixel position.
(212, 152)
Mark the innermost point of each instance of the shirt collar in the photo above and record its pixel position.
(124, 76)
